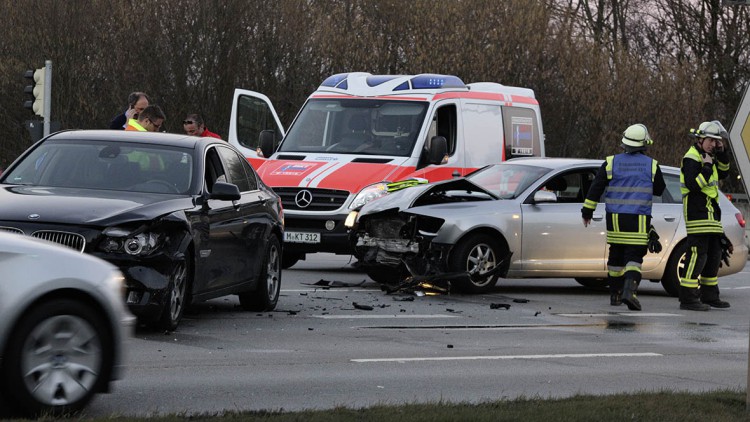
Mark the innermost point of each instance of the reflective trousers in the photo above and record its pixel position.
(702, 260)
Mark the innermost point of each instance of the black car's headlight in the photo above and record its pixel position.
(118, 240)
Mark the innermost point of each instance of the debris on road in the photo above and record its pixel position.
(521, 300)
(335, 283)
(362, 307)
(499, 305)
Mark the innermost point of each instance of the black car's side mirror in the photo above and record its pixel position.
(266, 139)
(225, 192)
(438, 150)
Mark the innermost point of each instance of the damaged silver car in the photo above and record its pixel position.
(518, 219)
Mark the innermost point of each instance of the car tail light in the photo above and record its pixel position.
(740, 219)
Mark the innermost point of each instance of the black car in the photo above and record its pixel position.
(186, 219)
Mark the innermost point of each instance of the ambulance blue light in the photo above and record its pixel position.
(379, 79)
(334, 80)
(429, 81)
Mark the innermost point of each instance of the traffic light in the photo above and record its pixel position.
(37, 90)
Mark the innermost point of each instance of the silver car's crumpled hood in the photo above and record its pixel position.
(405, 199)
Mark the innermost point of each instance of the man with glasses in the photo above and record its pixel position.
(151, 119)
(194, 126)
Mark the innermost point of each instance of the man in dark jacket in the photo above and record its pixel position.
(630, 179)
(137, 102)
(704, 164)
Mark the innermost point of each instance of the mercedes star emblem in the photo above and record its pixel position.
(303, 198)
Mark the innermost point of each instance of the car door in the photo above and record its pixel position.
(554, 240)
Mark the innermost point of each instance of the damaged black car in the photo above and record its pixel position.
(186, 219)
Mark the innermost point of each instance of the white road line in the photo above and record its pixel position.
(735, 288)
(559, 356)
(633, 314)
(382, 316)
(327, 289)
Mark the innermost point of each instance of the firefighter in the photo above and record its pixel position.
(704, 164)
(630, 180)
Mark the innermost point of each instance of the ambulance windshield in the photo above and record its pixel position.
(356, 126)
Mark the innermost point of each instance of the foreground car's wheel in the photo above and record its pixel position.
(265, 297)
(593, 283)
(176, 298)
(670, 281)
(477, 254)
(61, 354)
(289, 258)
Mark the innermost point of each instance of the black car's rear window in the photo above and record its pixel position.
(106, 165)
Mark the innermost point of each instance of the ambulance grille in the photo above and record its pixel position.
(71, 240)
(322, 199)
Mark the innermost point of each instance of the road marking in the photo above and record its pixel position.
(559, 356)
(735, 288)
(328, 289)
(359, 316)
(633, 314)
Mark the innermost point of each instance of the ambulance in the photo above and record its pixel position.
(359, 133)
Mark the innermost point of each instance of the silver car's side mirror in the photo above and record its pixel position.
(544, 196)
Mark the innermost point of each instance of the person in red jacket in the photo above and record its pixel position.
(194, 126)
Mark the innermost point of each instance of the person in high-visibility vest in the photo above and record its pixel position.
(630, 180)
(704, 164)
(151, 119)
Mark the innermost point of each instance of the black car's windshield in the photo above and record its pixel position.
(356, 126)
(507, 181)
(106, 165)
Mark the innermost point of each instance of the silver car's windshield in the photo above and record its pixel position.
(507, 181)
(356, 126)
(106, 165)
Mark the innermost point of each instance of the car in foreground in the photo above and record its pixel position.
(64, 327)
(517, 219)
(186, 219)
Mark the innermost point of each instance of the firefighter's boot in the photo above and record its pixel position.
(629, 297)
(710, 296)
(615, 291)
(690, 300)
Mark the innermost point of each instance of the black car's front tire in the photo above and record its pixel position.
(177, 295)
(266, 295)
(60, 357)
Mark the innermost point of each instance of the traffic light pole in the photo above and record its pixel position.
(47, 95)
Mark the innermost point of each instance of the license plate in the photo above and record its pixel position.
(301, 237)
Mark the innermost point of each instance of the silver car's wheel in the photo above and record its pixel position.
(176, 299)
(477, 254)
(62, 356)
(670, 281)
(266, 295)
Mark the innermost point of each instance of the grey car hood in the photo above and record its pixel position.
(405, 199)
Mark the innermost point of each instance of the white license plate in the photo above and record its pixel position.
(301, 237)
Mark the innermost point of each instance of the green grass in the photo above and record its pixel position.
(662, 406)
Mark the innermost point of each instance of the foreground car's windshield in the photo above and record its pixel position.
(356, 126)
(507, 180)
(106, 165)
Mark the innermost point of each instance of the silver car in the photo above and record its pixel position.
(63, 327)
(518, 219)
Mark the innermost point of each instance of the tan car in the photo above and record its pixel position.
(525, 210)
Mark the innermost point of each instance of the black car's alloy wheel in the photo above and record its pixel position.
(176, 296)
(265, 297)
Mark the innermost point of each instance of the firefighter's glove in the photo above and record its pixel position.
(726, 249)
(654, 246)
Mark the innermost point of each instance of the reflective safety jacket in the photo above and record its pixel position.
(133, 125)
(699, 184)
(630, 180)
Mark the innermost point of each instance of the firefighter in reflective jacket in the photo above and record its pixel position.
(630, 180)
(703, 165)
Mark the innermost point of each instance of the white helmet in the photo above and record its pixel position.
(636, 137)
(713, 129)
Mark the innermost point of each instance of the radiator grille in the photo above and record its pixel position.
(11, 230)
(322, 199)
(71, 240)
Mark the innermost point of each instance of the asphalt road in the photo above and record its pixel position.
(318, 350)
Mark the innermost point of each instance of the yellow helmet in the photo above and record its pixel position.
(636, 136)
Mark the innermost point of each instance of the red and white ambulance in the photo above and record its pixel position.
(358, 132)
